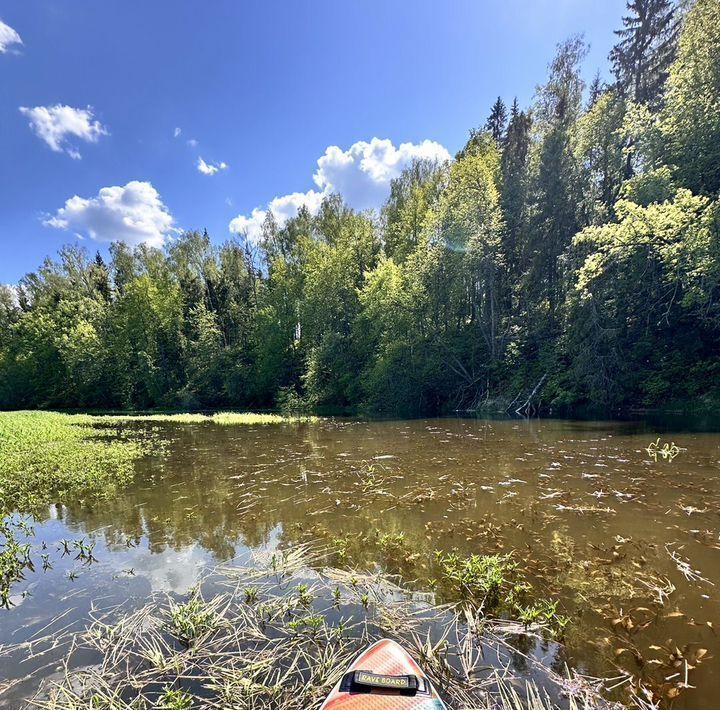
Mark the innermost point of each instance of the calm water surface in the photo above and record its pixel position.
(593, 518)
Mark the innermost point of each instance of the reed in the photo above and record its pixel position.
(288, 642)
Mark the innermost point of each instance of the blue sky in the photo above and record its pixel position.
(93, 92)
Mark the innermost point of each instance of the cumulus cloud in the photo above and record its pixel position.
(177, 132)
(283, 208)
(361, 174)
(134, 214)
(210, 168)
(55, 124)
(8, 38)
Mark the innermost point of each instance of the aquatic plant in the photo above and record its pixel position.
(222, 418)
(191, 619)
(268, 656)
(174, 699)
(495, 585)
(304, 594)
(486, 579)
(668, 451)
(251, 595)
(14, 558)
(47, 457)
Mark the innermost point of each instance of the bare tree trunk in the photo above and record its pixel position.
(527, 407)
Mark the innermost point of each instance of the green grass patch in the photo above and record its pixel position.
(47, 457)
(222, 418)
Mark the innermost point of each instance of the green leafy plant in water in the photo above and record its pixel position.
(485, 579)
(391, 542)
(340, 548)
(295, 626)
(314, 623)
(545, 613)
(399, 556)
(191, 619)
(495, 584)
(14, 558)
(304, 596)
(47, 457)
(174, 699)
(310, 624)
(251, 595)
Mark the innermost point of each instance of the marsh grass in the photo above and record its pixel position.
(221, 418)
(47, 457)
(290, 646)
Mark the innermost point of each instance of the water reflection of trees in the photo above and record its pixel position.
(220, 486)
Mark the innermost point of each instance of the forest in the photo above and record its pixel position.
(567, 258)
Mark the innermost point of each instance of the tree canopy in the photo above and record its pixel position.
(570, 251)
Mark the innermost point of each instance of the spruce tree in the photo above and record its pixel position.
(596, 90)
(556, 176)
(514, 184)
(496, 121)
(647, 46)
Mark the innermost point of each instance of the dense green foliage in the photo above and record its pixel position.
(47, 457)
(570, 254)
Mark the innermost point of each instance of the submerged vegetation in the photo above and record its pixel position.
(567, 257)
(288, 642)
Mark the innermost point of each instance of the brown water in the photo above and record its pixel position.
(592, 517)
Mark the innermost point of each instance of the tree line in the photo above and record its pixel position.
(569, 255)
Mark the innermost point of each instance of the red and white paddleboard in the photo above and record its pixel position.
(384, 676)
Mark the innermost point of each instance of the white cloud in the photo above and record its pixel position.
(192, 143)
(210, 168)
(177, 132)
(361, 174)
(54, 124)
(134, 214)
(283, 208)
(8, 38)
